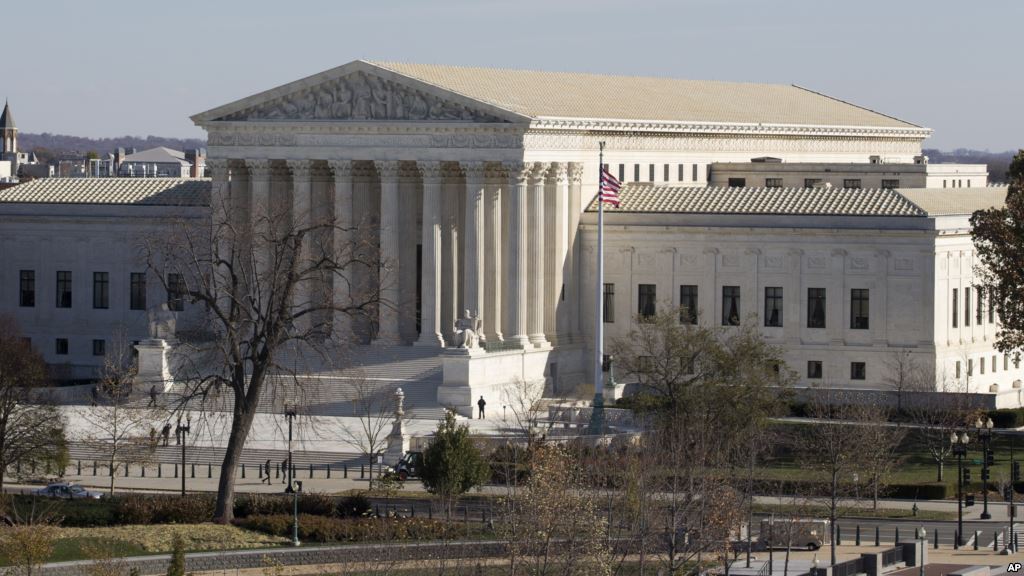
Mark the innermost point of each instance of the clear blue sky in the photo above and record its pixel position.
(118, 67)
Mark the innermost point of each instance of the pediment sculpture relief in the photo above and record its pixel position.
(361, 96)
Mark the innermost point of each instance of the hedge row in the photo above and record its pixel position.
(330, 529)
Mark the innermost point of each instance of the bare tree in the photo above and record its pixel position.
(273, 283)
(523, 397)
(116, 429)
(31, 431)
(905, 375)
(937, 416)
(373, 406)
(882, 440)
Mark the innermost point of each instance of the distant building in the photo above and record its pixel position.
(16, 165)
(157, 162)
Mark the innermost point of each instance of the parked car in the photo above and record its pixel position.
(409, 466)
(67, 492)
(808, 534)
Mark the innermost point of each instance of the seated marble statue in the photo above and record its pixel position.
(161, 322)
(467, 331)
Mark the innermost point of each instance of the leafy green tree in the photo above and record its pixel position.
(452, 464)
(998, 234)
(177, 566)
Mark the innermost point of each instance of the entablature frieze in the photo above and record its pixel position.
(720, 142)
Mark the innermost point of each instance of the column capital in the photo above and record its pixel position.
(519, 171)
(388, 168)
(218, 167)
(576, 172)
(539, 171)
(340, 168)
(430, 170)
(559, 172)
(259, 168)
(475, 171)
(301, 169)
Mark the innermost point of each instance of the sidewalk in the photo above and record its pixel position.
(999, 510)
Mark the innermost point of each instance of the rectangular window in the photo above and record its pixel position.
(609, 303)
(981, 365)
(851, 183)
(682, 172)
(63, 289)
(27, 288)
(666, 172)
(858, 371)
(650, 172)
(956, 309)
(994, 364)
(636, 172)
(957, 368)
(814, 369)
(970, 367)
(175, 292)
(968, 183)
(730, 305)
(737, 182)
(694, 172)
(773, 182)
(99, 347)
(812, 182)
(1006, 362)
(62, 346)
(101, 290)
(890, 184)
(991, 307)
(815, 307)
(773, 306)
(622, 172)
(967, 307)
(859, 309)
(979, 307)
(137, 300)
(943, 183)
(688, 304)
(646, 301)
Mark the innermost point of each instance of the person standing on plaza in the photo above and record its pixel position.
(480, 404)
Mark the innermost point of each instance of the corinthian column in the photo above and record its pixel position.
(557, 223)
(387, 331)
(301, 206)
(492, 260)
(535, 254)
(572, 266)
(221, 232)
(515, 332)
(259, 215)
(473, 286)
(430, 315)
(342, 250)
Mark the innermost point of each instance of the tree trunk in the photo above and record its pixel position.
(938, 463)
(241, 423)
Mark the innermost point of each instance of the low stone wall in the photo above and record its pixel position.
(908, 399)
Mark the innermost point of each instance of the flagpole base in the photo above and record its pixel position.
(597, 416)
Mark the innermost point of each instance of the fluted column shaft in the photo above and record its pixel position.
(572, 283)
(259, 215)
(557, 201)
(430, 302)
(387, 331)
(516, 331)
(302, 203)
(473, 286)
(341, 286)
(492, 262)
(220, 229)
(535, 254)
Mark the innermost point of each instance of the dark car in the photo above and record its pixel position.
(67, 491)
(409, 466)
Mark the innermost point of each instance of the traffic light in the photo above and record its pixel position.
(990, 458)
(1015, 472)
(985, 474)
(969, 500)
(967, 475)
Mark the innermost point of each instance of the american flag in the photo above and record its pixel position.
(609, 188)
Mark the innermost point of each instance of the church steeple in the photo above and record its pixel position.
(8, 131)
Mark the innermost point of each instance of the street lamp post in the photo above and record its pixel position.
(985, 434)
(959, 444)
(182, 432)
(295, 508)
(922, 538)
(289, 414)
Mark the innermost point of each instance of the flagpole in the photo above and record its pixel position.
(597, 411)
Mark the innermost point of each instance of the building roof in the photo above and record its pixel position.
(640, 197)
(540, 94)
(158, 155)
(7, 119)
(137, 191)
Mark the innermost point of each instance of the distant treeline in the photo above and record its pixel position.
(998, 162)
(50, 147)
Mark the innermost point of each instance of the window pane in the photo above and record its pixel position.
(622, 172)
(859, 309)
(851, 183)
(694, 172)
(682, 172)
(100, 290)
(773, 306)
(890, 184)
(666, 172)
(27, 288)
(773, 182)
(63, 289)
(138, 291)
(814, 369)
(979, 309)
(646, 301)
(175, 292)
(967, 306)
(815, 307)
(688, 304)
(636, 172)
(609, 303)
(737, 182)
(99, 347)
(730, 305)
(956, 308)
(811, 182)
(991, 307)
(858, 371)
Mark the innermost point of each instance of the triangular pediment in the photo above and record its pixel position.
(358, 92)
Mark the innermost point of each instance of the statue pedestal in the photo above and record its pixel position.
(398, 445)
(471, 373)
(153, 369)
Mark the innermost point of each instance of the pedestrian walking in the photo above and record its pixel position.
(284, 470)
(152, 396)
(153, 439)
(266, 468)
(166, 433)
(481, 403)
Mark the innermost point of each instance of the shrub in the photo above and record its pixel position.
(328, 529)
(929, 491)
(355, 506)
(177, 565)
(316, 503)
(256, 503)
(1007, 418)
(165, 508)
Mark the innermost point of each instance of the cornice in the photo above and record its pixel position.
(656, 126)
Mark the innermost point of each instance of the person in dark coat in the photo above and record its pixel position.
(480, 404)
